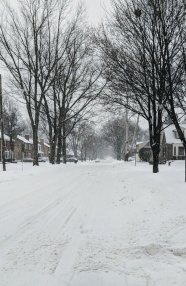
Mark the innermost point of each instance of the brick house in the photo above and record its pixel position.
(23, 147)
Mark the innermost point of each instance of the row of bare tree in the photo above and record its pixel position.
(50, 57)
(142, 46)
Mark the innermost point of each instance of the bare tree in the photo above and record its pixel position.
(117, 106)
(114, 132)
(87, 142)
(75, 137)
(29, 48)
(83, 140)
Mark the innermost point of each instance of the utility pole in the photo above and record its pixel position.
(2, 127)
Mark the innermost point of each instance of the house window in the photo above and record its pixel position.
(176, 135)
(6, 154)
(27, 146)
(174, 151)
(180, 151)
(185, 133)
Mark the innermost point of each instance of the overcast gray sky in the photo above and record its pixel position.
(95, 9)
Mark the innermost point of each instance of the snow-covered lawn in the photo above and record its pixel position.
(93, 224)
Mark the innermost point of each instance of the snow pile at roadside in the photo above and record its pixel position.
(96, 224)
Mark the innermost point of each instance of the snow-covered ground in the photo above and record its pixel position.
(93, 224)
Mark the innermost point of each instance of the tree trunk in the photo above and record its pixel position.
(81, 155)
(118, 151)
(35, 146)
(126, 157)
(3, 148)
(85, 156)
(126, 134)
(155, 161)
(185, 160)
(53, 150)
(64, 151)
(59, 147)
(52, 138)
(11, 147)
(64, 145)
(75, 152)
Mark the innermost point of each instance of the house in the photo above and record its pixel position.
(171, 146)
(8, 152)
(174, 149)
(23, 147)
(44, 149)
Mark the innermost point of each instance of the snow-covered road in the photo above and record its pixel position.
(96, 224)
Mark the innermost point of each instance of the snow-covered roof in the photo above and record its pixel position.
(141, 144)
(23, 139)
(6, 137)
(170, 134)
(47, 145)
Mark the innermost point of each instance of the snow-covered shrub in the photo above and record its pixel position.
(145, 154)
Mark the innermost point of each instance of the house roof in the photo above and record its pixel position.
(24, 140)
(142, 144)
(6, 137)
(47, 145)
(170, 134)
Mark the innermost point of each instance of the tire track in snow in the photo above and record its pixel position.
(69, 218)
(63, 209)
(65, 269)
(47, 206)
